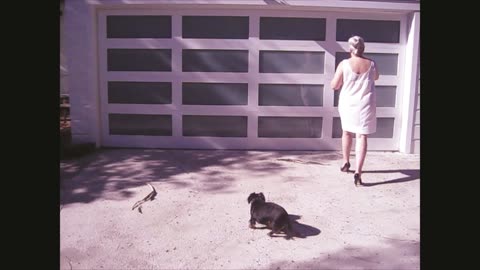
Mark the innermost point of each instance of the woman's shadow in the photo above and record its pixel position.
(410, 175)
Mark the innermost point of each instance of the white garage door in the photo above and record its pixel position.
(239, 79)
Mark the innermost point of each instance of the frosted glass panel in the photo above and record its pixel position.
(336, 128)
(139, 26)
(140, 92)
(386, 62)
(139, 59)
(222, 27)
(290, 95)
(291, 62)
(215, 126)
(215, 93)
(289, 127)
(336, 96)
(140, 124)
(386, 96)
(370, 30)
(385, 127)
(215, 60)
(292, 28)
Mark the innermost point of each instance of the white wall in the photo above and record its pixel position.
(63, 60)
(410, 88)
(415, 144)
(416, 123)
(79, 47)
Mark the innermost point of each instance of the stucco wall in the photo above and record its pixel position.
(80, 59)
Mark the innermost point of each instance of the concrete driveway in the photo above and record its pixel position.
(199, 219)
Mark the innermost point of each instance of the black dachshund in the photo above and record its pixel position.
(270, 214)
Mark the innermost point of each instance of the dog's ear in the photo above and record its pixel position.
(262, 196)
(250, 197)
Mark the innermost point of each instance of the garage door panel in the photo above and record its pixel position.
(239, 79)
(214, 126)
(281, 28)
(215, 27)
(124, 92)
(139, 59)
(379, 31)
(386, 96)
(140, 124)
(291, 62)
(289, 127)
(215, 60)
(290, 95)
(214, 93)
(385, 128)
(140, 26)
(387, 63)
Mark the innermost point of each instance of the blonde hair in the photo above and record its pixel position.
(357, 45)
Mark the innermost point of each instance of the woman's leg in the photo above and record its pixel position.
(360, 152)
(346, 146)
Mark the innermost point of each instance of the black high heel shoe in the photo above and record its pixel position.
(345, 167)
(357, 180)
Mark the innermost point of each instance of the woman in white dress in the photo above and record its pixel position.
(356, 78)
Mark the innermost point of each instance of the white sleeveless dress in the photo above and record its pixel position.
(357, 101)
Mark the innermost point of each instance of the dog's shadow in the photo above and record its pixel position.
(302, 230)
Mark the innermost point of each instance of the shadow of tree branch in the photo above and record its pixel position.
(109, 173)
